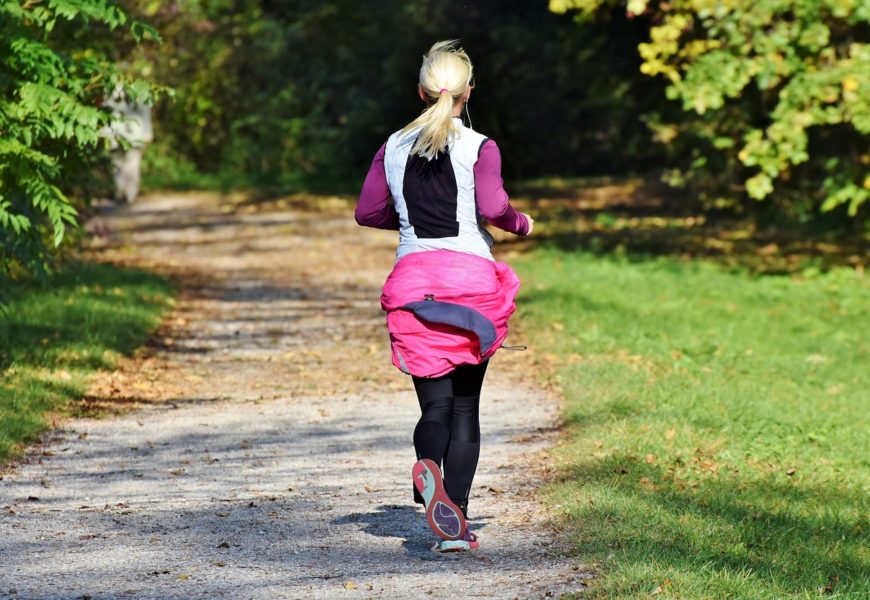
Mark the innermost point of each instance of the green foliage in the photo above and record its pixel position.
(55, 336)
(307, 91)
(782, 89)
(716, 443)
(55, 69)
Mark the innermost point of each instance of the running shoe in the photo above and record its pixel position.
(468, 542)
(444, 517)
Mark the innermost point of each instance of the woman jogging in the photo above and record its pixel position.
(447, 300)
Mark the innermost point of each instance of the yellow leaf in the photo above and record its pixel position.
(850, 83)
(350, 585)
(636, 7)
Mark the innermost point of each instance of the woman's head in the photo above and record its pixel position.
(445, 80)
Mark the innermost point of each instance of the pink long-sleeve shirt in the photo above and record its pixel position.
(373, 208)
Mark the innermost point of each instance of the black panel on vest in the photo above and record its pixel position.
(431, 195)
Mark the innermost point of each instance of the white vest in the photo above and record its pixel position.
(470, 236)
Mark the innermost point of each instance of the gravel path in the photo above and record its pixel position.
(270, 449)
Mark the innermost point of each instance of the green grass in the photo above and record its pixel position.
(718, 439)
(53, 337)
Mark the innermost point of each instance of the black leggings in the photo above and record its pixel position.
(449, 429)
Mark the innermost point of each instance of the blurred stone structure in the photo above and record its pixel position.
(131, 130)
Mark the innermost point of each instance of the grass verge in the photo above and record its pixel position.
(53, 337)
(717, 424)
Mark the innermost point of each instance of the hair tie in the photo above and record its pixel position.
(442, 91)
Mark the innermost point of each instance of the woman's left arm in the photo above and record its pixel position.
(492, 199)
(373, 208)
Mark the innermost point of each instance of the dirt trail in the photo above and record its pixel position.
(270, 455)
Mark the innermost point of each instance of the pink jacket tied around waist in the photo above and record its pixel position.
(446, 309)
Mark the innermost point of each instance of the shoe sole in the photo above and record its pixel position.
(443, 516)
(445, 546)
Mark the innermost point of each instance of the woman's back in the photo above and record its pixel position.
(435, 199)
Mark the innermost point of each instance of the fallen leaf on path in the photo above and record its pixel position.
(350, 585)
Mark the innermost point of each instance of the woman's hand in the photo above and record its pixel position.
(531, 222)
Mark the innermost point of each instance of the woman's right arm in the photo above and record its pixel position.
(373, 208)
(492, 199)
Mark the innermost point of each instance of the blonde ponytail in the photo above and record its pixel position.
(444, 77)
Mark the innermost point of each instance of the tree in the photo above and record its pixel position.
(55, 69)
(780, 86)
(306, 91)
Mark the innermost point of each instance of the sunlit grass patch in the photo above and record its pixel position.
(55, 336)
(717, 424)
(639, 218)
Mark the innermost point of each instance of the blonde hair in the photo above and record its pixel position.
(445, 77)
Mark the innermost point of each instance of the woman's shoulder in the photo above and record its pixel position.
(474, 141)
(401, 137)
